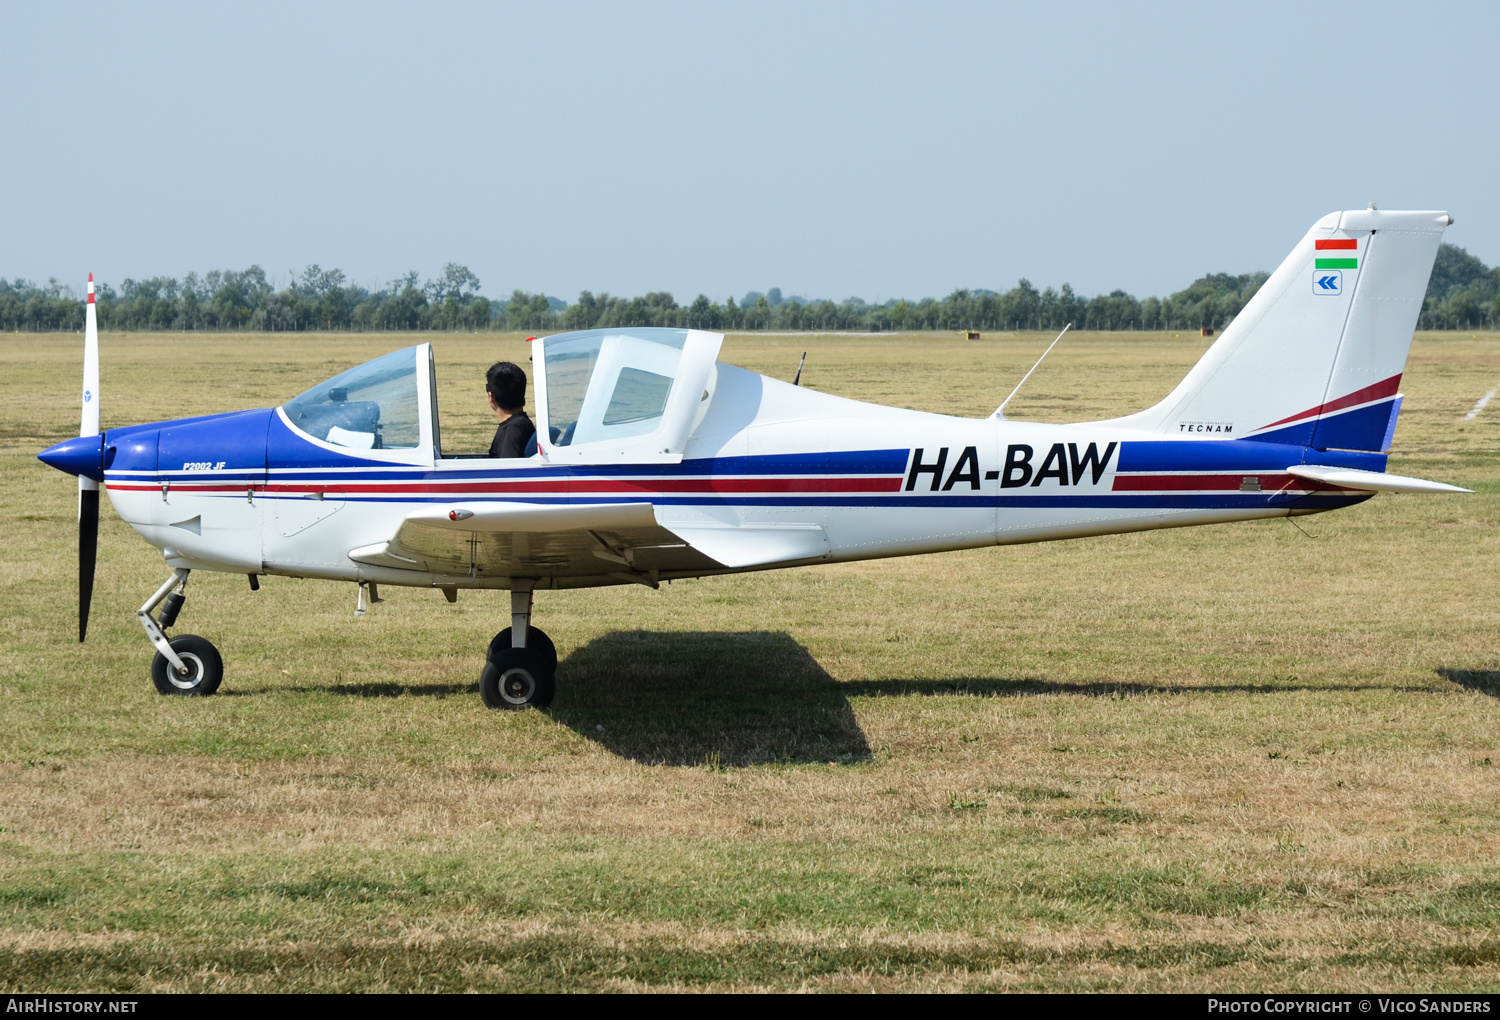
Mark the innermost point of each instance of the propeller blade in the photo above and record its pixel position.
(88, 489)
(89, 423)
(88, 549)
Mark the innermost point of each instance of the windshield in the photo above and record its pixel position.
(609, 384)
(371, 407)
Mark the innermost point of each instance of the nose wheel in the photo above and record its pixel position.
(203, 668)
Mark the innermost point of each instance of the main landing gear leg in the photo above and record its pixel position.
(186, 664)
(520, 670)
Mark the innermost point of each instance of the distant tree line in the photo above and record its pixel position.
(1464, 293)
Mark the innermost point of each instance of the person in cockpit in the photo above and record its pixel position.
(506, 385)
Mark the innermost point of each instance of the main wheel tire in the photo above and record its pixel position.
(205, 667)
(536, 640)
(517, 678)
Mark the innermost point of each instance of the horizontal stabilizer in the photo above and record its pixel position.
(1374, 481)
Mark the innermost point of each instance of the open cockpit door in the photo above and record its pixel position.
(385, 409)
(623, 396)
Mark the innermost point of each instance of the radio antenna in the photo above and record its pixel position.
(798, 380)
(1000, 411)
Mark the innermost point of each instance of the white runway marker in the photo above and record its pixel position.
(1479, 406)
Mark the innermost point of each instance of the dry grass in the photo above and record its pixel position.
(1235, 757)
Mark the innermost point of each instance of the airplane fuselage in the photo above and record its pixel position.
(810, 477)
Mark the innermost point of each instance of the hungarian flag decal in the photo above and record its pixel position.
(1350, 245)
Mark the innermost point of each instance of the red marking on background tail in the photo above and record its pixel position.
(1384, 388)
(91, 278)
(1337, 244)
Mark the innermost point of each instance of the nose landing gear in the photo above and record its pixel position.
(187, 664)
(520, 669)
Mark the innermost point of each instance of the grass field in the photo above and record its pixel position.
(1243, 757)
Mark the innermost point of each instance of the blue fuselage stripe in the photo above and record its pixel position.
(1121, 501)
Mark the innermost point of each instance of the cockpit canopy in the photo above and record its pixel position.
(385, 404)
(622, 395)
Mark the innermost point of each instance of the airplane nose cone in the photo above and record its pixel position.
(81, 456)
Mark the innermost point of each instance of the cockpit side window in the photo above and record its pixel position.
(569, 369)
(606, 385)
(638, 396)
(374, 406)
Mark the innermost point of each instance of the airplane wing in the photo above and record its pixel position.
(622, 540)
(1373, 481)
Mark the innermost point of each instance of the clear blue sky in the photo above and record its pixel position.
(867, 149)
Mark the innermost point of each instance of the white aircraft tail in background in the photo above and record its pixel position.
(1316, 356)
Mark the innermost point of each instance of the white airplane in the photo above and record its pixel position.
(656, 461)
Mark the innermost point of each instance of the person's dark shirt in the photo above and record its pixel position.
(511, 436)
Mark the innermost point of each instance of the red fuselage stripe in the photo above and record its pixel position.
(1215, 483)
(1201, 483)
(572, 487)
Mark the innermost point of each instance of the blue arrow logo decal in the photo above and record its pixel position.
(1328, 281)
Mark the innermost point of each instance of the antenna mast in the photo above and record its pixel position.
(1000, 411)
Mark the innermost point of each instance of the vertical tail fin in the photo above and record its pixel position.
(1315, 358)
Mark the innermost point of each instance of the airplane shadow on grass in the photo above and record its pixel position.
(1485, 681)
(696, 698)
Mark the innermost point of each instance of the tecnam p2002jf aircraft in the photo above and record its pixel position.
(656, 462)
